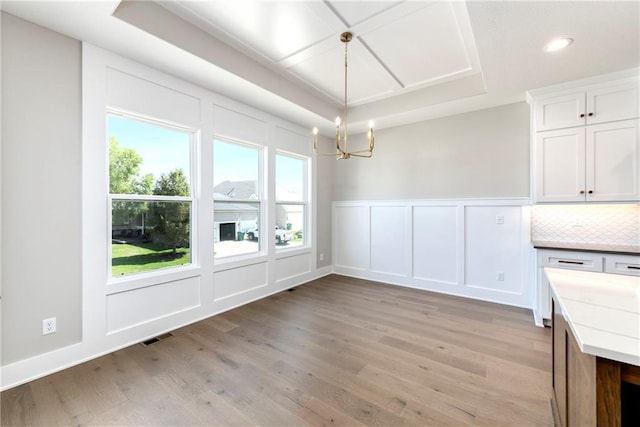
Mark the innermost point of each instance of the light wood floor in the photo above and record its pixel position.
(337, 351)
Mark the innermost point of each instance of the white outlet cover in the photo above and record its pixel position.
(49, 326)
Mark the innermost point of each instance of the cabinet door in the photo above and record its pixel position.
(608, 104)
(560, 111)
(560, 166)
(613, 160)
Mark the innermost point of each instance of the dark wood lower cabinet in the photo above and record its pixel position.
(590, 390)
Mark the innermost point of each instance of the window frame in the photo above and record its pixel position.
(170, 271)
(305, 203)
(261, 200)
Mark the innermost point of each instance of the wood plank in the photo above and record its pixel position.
(581, 383)
(608, 392)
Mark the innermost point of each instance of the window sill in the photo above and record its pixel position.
(238, 261)
(291, 252)
(142, 280)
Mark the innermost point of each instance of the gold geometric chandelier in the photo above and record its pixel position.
(342, 148)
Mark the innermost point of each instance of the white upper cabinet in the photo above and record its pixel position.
(560, 165)
(597, 163)
(608, 104)
(585, 107)
(586, 144)
(560, 111)
(612, 162)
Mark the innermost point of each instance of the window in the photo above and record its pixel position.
(237, 195)
(291, 200)
(150, 195)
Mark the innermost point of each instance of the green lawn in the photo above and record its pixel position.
(135, 258)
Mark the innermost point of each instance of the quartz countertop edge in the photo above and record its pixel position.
(587, 247)
(602, 310)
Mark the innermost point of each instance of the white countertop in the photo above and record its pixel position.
(602, 310)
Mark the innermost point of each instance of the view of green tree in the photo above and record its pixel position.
(174, 183)
(124, 167)
(171, 219)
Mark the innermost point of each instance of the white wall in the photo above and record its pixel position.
(450, 246)
(474, 155)
(41, 182)
(324, 186)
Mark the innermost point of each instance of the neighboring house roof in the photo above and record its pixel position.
(247, 190)
(235, 190)
(234, 207)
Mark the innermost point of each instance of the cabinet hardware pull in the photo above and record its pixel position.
(633, 267)
(561, 261)
(590, 114)
(581, 191)
(582, 115)
(590, 191)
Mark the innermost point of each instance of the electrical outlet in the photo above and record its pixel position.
(500, 219)
(48, 326)
(321, 257)
(500, 276)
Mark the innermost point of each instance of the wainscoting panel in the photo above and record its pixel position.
(352, 225)
(134, 307)
(292, 266)
(138, 95)
(474, 248)
(389, 240)
(435, 243)
(234, 281)
(493, 248)
(236, 125)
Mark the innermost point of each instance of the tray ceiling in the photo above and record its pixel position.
(409, 60)
(398, 46)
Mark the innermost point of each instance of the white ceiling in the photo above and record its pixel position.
(409, 60)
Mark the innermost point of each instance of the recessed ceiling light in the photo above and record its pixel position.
(557, 44)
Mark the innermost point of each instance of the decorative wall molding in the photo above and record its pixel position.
(476, 248)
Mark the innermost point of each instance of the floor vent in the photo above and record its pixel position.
(157, 339)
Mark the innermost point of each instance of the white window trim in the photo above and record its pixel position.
(142, 279)
(283, 252)
(240, 260)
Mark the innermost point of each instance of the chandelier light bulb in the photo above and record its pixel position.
(370, 124)
(338, 121)
(315, 131)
